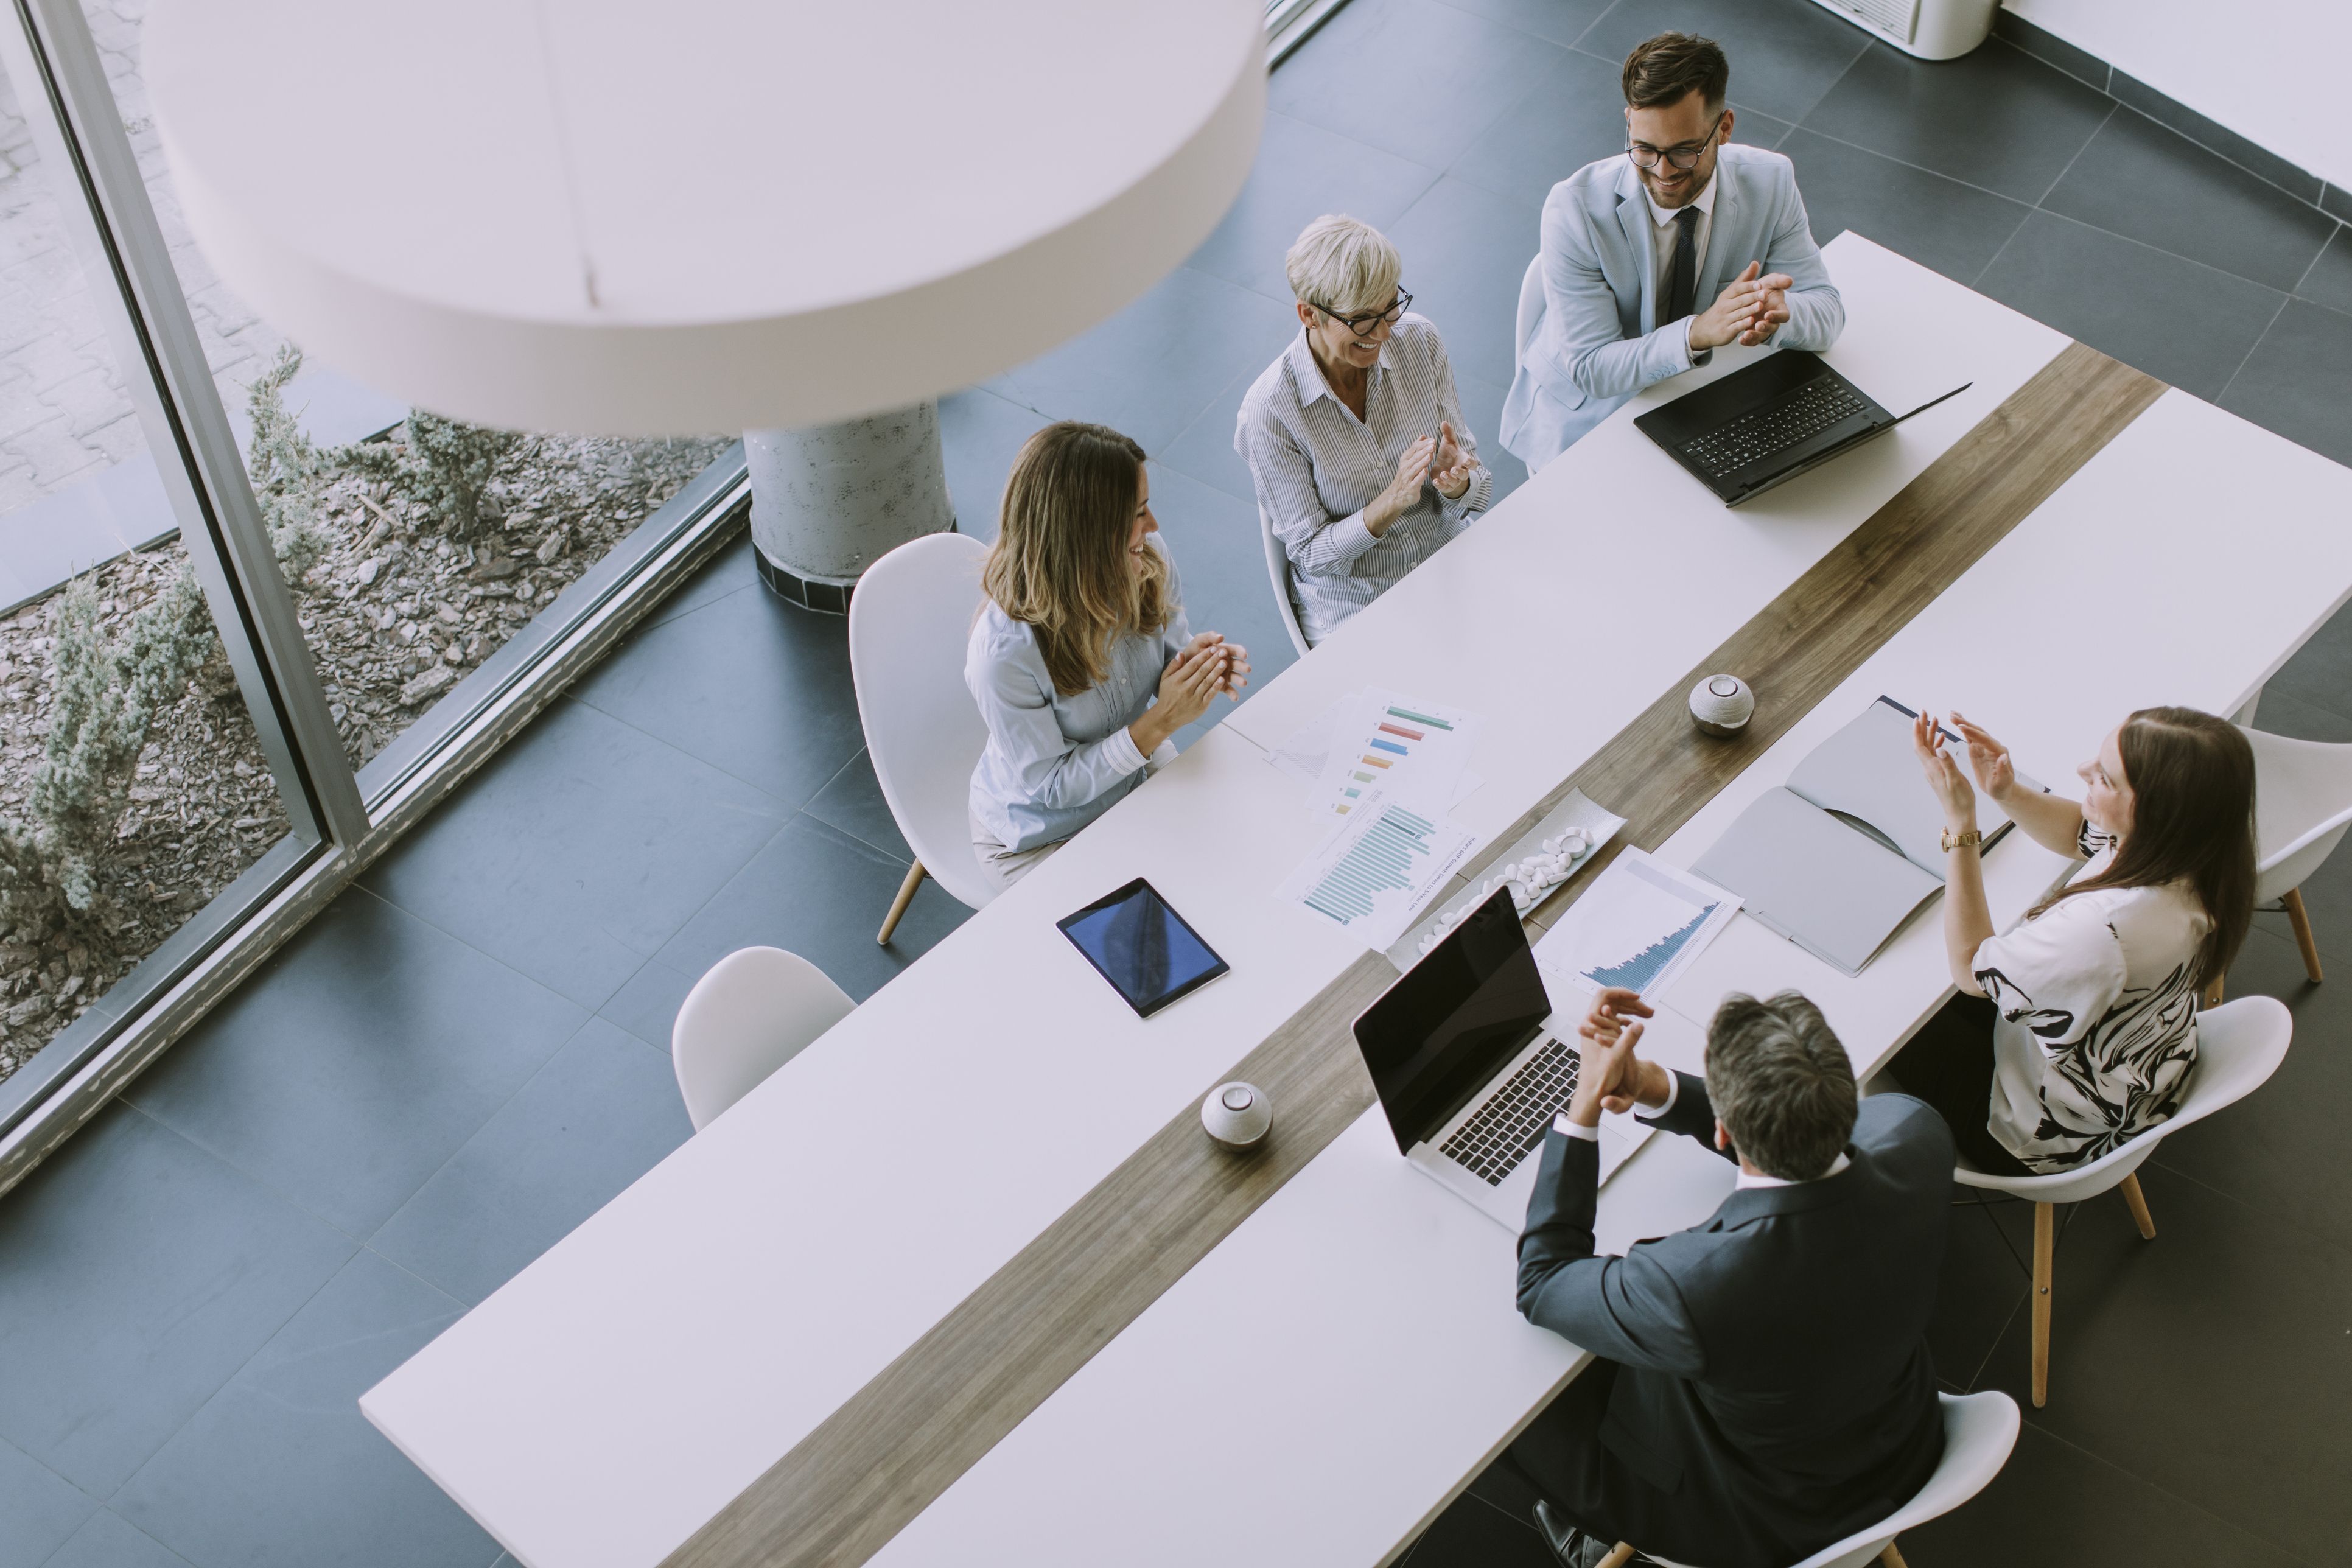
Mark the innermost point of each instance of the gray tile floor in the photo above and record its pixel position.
(465, 1056)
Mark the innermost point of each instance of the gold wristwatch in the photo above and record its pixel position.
(1968, 840)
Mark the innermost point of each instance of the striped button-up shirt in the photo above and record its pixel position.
(1317, 466)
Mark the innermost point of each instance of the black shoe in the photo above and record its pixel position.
(1568, 1543)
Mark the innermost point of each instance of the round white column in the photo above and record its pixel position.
(829, 500)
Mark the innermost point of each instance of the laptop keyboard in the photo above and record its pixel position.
(1491, 1144)
(1752, 437)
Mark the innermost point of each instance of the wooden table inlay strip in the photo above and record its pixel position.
(894, 1446)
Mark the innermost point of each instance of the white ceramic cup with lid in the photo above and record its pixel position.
(1237, 1115)
(1722, 704)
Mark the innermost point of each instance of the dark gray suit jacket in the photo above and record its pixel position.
(1777, 1388)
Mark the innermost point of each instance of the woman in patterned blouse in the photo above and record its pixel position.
(2074, 1030)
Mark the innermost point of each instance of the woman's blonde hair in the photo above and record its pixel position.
(1060, 563)
(1341, 267)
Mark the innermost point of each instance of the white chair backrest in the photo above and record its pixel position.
(1277, 568)
(2239, 1045)
(909, 622)
(1531, 305)
(755, 1010)
(1980, 1430)
(2303, 804)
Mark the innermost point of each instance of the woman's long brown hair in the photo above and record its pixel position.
(2191, 777)
(1060, 562)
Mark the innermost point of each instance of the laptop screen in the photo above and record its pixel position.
(1453, 1021)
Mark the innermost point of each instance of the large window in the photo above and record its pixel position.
(255, 618)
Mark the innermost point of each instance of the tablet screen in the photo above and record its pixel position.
(1142, 947)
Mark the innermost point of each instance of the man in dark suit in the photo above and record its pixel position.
(1764, 1386)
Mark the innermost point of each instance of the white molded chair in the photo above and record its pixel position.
(2239, 1045)
(1277, 567)
(756, 1009)
(2303, 804)
(908, 623)
(1980, 1429)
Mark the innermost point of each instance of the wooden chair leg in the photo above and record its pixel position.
(1620, 1556)
(2297, 918)
(2138, 1202)
(2045, 1248)
(898, 905)
(1891, 1558)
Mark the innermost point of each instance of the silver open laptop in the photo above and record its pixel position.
(1464, 1051)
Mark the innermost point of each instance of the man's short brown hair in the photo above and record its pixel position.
(1780, 1083)
(1662, 70)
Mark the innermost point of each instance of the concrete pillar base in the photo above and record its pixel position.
(830, 500)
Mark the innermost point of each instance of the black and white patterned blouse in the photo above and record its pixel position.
(2097, 1017)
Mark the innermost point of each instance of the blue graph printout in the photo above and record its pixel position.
(1638, 925)
(1377, 870)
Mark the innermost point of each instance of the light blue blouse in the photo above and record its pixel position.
(1054, 762)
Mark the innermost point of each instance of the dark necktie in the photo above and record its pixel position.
(1682, 276)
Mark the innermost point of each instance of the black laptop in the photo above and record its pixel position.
(1766, 424)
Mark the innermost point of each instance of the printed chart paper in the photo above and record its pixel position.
(1405, 752)
(1639, 925)
(1375, 870)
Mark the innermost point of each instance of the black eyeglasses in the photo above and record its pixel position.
(1686, 156)
(1366, 323)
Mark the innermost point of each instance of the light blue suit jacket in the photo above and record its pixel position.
(1595, 340)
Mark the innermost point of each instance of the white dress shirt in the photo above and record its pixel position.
(1662, 256)
(1316, 466)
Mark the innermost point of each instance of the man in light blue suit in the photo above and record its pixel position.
(1651, 260)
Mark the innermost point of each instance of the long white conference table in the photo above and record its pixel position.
(1324, 1379)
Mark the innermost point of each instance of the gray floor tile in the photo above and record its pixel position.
(1997, 118)
(2209, 1362)
(106, 1541)
(1303, 172)
(137, 1274)
(2056, 1506)
(2181, 323)
(1983, 1285)
(2298, 381)
(2208, 209)
(39, 1508)
(363, 1055)
(788, 739)
(1785, 54)
(647, 1005)
(729, 571)
(1554, 21)
(2319, 675)
(1465, 248)
(1463, 71)
(1572, 115)
(1214, 542)
(852, 801)
(2283, 714)
(1149, 369)
(279, 1469)
(2329, 281)
(980, 434)
(818, 892)
(602, 1114)
(2280, 1150)
(586, 843)
(1205, 450)
(1474, 1534)
(1952, 228)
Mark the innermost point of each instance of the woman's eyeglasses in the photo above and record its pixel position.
(1366, 323)
(1686, 156)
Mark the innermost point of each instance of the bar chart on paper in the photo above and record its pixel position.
(1638, 925)
(1378, 868)
(1396, 747)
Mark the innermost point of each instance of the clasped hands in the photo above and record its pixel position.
(1748, 312)
(1609, 1076)
(1435, 459)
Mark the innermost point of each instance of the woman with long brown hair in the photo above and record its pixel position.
(1080, 658)
(2074, 1030)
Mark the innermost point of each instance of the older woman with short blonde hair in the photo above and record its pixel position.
(1354, 434)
